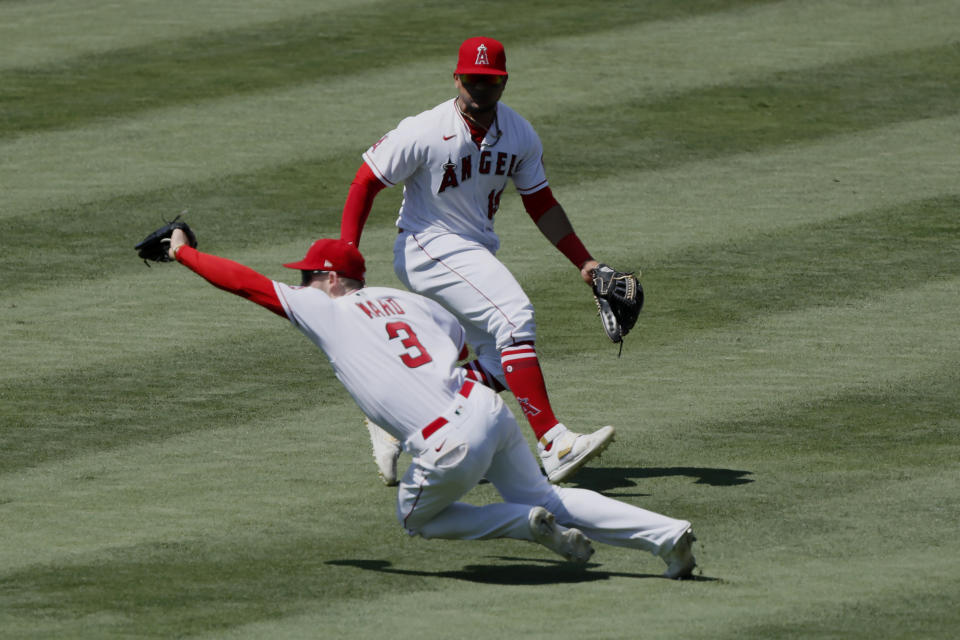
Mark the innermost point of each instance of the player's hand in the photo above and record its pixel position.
(178, 239)
(586, 271)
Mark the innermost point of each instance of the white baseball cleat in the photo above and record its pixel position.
(680, 560)
(386, 451)
(571, 450)
(569, 543)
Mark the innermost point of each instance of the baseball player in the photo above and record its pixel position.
(455, 161)
(396, 353)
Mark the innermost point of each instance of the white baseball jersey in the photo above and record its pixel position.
(394, 351)
(451, 184)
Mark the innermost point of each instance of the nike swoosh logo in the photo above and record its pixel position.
(441, 446)
(449, 137)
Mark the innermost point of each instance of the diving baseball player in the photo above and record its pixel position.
(396, 353)
(455, 162)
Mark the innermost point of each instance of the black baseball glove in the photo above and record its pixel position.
(619, 299)
(154, 247)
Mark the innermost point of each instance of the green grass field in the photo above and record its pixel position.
(176, 462)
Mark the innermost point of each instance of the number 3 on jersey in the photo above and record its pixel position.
(416, 355)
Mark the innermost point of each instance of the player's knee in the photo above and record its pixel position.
(409, 521)
(486, 370)
(520, 328)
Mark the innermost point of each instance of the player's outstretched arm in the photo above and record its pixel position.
(226, 274)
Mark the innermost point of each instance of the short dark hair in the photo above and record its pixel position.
(307, 277)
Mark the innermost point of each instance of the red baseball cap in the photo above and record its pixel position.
(483, 56)
(333, 255)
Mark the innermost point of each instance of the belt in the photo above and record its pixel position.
(432, 428)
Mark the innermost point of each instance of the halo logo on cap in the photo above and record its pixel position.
(482, 55)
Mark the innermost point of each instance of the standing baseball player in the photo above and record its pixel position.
(396, 353)
(455, 161)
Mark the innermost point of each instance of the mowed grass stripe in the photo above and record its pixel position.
(693, 610)
(848, 259)
(715, 201)
(40, 33)
(908, 422)
(309, 47)
(272, 580)
(803, 355)
(292, 203)
(755, 114)
(168, 146)
(728, 373)
(277, 473)
(277, 579)
(777, 270)
(894, 614)
(845, 448)
(841, 537)
(232, 375)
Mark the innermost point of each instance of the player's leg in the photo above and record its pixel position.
(447, 465)
(476, 371)
(514, 473)
(462, 521)
(467, 279)
(427, 500)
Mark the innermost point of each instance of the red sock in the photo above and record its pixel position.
(525, 379)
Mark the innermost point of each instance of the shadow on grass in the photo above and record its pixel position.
(521, 571)
(603, 479)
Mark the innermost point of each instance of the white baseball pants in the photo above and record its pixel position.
(469, 281)
(482, 439)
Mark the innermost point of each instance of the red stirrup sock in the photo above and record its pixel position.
(525, 379)
(477, 373)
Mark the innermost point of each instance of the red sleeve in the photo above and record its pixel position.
(538, 202)
(571, 246)
(233, 277)
(363, 190)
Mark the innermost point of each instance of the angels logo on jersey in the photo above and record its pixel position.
(449, 175)
(500, 164)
